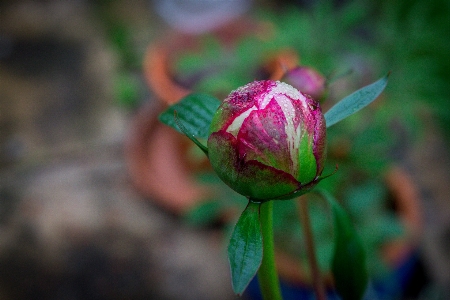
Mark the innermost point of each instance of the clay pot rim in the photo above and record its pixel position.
(144, 159)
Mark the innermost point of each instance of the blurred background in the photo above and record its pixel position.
(98, 200)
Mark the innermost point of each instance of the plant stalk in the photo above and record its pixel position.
(318, 285)
(267, 273)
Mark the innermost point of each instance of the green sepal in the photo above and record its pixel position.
(306, 160)
(245, 250)
(349, 265)
(355, 102)
(306, 188)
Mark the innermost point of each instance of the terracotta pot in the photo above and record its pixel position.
(408, 208)
(155, 156)
(407, 203)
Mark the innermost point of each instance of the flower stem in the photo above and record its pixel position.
(267, 274)
(318, 285)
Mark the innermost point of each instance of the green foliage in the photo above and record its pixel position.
(128, 90)
(224, 201)
(349, 257)
(192, 115)
(412, 38)
(355, 102)
(289, 235)
(367, 204)
(245, 251)
(407, 37)
(375, 222)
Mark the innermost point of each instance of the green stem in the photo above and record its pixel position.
(318, 285)
(267, 274)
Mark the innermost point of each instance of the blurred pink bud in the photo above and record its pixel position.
(307, 80)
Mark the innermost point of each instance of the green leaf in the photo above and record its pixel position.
(245, 250)
(356, 101)
(349, 265)
(194, 112)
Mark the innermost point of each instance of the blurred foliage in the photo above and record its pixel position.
(120, 35)
(218, 70)
(412, 36)
(407, 37)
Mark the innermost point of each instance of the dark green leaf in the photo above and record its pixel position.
(356, 101)
(245, 250)
(349, 258)
(194, 113)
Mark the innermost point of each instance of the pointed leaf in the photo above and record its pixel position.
(349, 258)
(245, 250)
(356, 101)
(194, 113)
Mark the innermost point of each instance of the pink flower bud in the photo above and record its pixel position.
(306, 80)
(268, 140)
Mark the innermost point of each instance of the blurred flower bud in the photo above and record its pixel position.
(306, 80)
(268, 141)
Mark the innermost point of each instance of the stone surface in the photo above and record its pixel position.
(79, 231)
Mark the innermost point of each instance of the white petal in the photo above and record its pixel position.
(237, 122)
(284, 89)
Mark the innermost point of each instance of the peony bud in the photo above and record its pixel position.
(268, 141)
(307, 80)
